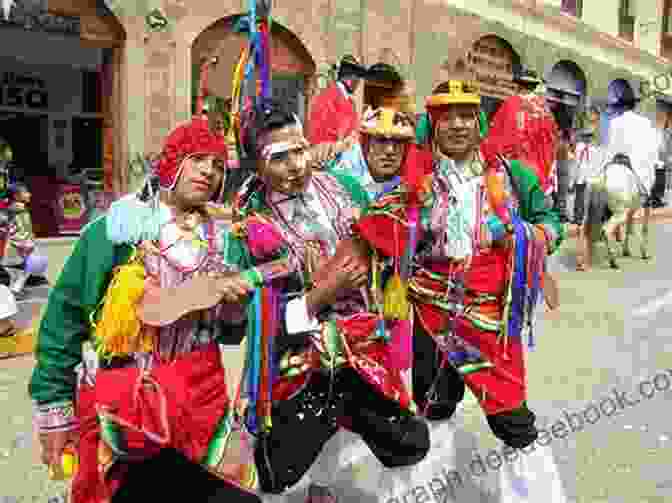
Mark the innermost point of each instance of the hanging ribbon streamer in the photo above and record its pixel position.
(259, 374)
(255, 62)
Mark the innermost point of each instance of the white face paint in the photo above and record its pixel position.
(286, 161)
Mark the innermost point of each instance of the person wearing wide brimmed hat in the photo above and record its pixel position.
(100, 359)
(476, 216)
(333, 115)
(528, 123)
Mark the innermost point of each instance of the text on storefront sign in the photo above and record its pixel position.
(23, 91)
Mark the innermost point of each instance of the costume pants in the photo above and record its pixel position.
(169, 474)
(579, 210)
(660, 183)
(304, 423)
(563, 174)
(514, 427)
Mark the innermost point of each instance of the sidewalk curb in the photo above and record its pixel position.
(657, 215)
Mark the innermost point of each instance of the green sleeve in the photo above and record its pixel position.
(359, 196)
(533, 204)
(65, 324)
(422, 129)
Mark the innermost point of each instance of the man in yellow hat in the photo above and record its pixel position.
(479, 241)
(386, 135)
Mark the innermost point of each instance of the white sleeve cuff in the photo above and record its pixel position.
(297, 319)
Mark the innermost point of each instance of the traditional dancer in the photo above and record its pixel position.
(478, 266)
(335, 366)
(146, 408)
(334, 120)
(386, 133)
(528, 123)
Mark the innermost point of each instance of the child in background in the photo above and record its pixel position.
(22, 240)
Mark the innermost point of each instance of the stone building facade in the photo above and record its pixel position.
(155, 70)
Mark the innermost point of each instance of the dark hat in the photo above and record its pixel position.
(382, 72)
(350, 67)
(621, 96)
(525, 75)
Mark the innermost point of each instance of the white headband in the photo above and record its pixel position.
(284, 146)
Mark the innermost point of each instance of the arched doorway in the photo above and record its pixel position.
(292, 66)
(493, 62)
(566, 90)
(292, 70)
(61, 108)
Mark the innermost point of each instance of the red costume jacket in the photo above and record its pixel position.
(532, 131)
(333, 116)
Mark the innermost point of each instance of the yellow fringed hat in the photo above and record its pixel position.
(455, 92)
(456, 86)
(394, 118)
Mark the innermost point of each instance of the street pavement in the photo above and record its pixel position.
(606, 339)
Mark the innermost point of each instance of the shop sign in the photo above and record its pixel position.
(71, 209)
(23, 91)
(33, 16)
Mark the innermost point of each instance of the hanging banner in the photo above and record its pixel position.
(71, 210)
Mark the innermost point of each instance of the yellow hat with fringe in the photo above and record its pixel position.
(388, 122)
(455, 92)
(394, 118)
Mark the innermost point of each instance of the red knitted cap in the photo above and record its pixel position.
(188, 139)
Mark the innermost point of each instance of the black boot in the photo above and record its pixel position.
(301, 427)
(395, 436)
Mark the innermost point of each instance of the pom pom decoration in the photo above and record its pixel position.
(263, 238)
(118, 331)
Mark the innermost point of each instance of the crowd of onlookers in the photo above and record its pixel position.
(580, 151)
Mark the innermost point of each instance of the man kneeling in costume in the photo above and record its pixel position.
(334, 366)
(477, 230)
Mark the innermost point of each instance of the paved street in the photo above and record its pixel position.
(590, 347)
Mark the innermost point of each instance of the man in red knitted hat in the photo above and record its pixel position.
(144, 406)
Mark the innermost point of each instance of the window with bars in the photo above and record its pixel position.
(572, 7)
(626, 17)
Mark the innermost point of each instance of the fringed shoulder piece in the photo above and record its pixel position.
(131, 221)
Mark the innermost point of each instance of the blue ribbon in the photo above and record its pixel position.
(519, 286)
